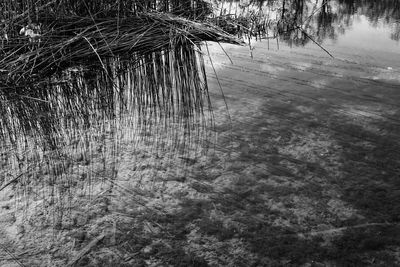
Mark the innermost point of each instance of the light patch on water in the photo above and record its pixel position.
(320, 83)
(389, 74)
(305, 109)
(357, 111)
(303, 66)
(218, 65)
(271, 69)
(220, 56)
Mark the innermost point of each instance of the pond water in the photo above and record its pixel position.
(355, 24)
(373, 25)
(365, 35)
(298, 156)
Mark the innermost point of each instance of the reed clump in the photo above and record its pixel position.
(80, 80)
(47, 43)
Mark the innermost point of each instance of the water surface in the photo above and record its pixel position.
(355, 24)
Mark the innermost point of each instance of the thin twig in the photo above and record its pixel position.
(312, 39)
(85, 250)
(341, 229)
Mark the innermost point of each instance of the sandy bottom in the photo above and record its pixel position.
(303, 171)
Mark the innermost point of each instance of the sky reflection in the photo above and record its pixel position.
(367, 24)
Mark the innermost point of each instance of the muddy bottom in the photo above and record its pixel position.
(304, 171)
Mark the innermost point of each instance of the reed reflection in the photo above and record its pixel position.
(82, 83)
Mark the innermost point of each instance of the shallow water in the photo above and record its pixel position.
(368, 27)
(355, 24)
(304, 166)
(364, 35)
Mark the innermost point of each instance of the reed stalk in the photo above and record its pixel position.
(90, 80)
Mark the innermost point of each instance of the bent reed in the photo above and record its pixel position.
(80, 79)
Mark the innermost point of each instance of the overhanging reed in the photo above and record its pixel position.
(82, 85)
(97, 60)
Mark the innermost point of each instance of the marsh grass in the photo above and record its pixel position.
(94, 79)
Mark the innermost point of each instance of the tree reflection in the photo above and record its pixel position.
(325, 21)
(377, 12)
(298, 22)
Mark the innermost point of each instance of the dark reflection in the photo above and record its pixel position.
(385, 11)
(325, 21)
(298, 22)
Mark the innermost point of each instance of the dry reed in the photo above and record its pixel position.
(80, 81)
